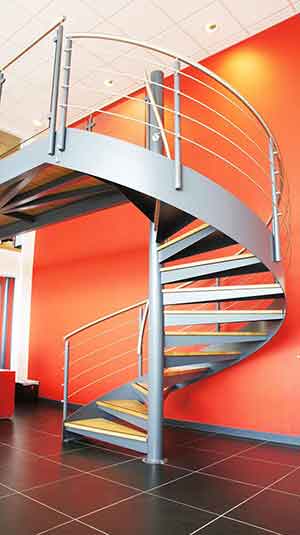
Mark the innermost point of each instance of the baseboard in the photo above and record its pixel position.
(289, 440)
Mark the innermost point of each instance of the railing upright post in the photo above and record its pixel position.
(156, 323)
(65, 94)
(2, 80)
(4, 324)
(140, 353)
(275, 215)
(58, 40)
(218, 307)
(177, 127)
(66, 379)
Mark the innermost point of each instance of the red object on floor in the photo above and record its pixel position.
(7, 393)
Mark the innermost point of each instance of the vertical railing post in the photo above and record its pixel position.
(2, 80)
(58, 40)
(140, 353)
(218, 307)
(177, 127)
(275, 215)
(4, 324)
(65, 94)
(156, 323)
(66, 379)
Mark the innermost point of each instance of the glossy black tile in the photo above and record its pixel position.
(26, 472)
(21, 516)
(90, 458)
(208, 492)
(73, 528)
(249, 471)
(276, 453)
(148, 515)
(226, 445)
(290, 483)
(272, 510)
(80, 495)
(141, 475)
(225, 526)
(192, 458)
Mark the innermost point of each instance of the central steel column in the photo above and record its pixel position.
(156, 324)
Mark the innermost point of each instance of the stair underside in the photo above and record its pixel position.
(106, 427)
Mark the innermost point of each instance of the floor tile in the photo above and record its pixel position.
(26, 472)
(272, 510)
(141, 475)
(249, 471)
(175, 436)
(73, 528)
(276, 453)
(290, 483)
(226, 445)
(4, 491)
(208, 492)
(192, 458)
(225, 526)
(90, 458)
(148, 515)
(81, 495)
(19, 515)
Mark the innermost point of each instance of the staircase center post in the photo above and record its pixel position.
(156, 324)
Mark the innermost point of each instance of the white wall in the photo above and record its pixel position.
(19, 265)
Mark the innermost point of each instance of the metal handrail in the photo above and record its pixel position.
(35, 42)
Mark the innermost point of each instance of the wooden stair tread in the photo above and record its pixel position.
(185, 370)
(126, 406)
(107, 427)
(182, 236)
(206, 262)
(143, 387)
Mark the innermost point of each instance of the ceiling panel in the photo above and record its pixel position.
(179, 26)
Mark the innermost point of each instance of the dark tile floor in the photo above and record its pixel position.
(211, 484)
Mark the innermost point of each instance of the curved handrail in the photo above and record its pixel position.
(183, 59)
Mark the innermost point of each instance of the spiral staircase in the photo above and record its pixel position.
(193, 222)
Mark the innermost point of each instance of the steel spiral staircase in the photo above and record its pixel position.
(208, 248)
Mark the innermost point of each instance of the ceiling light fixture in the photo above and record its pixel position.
(108, 83)
(211, 27)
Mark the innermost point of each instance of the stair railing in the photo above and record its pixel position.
(274, 172)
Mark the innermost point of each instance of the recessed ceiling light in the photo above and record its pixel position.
(37, 122)
(108, 83)
(211, 27)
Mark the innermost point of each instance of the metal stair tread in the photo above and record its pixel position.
(216, 334)
(207, 262)
(226, 312)
(126, 406)
(107, 427)
(182, 236)
(201, 353)
(220, 288)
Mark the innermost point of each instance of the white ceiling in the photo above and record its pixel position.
(173, 24)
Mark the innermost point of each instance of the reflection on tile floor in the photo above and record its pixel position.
(211, 484)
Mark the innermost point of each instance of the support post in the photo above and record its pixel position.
(65, 95)
(4, 324)
(275, 216)
(177, 127)
(66, 380)
(140, 356)
(218, 307)
(58, 40)
(2, 80)
(156, 323)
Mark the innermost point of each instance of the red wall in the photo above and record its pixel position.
(98, 263)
